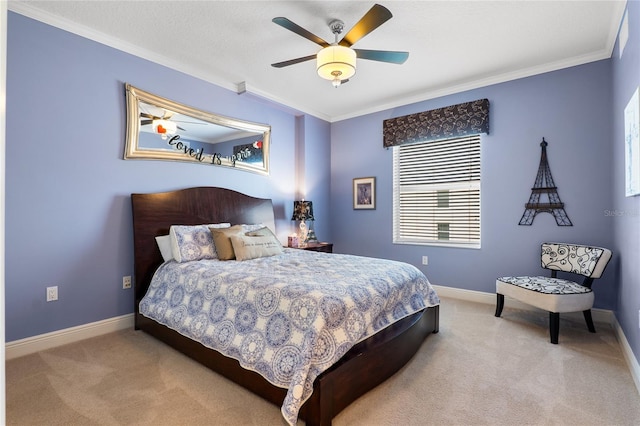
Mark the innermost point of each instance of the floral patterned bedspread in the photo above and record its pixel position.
(288, 317)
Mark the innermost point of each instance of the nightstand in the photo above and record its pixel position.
(323, 247)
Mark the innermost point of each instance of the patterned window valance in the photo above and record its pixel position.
(468, 118)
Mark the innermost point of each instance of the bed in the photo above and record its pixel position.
(362, 367)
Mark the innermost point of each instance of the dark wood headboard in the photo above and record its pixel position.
(153, 215)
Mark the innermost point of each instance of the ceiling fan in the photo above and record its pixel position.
(337, 61)
(163, 125)
(151, 118)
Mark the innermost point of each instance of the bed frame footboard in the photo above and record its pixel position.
(365, 366)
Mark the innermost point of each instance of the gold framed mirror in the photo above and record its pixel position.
(161, 129)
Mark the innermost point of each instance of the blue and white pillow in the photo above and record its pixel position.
(193, 242)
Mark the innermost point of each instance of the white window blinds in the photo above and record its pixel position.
(436, 190)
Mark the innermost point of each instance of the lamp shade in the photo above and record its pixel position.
(302, 210)
(336, 62)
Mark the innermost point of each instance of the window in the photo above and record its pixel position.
(436, 191)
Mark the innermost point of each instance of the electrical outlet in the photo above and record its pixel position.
(52, 293)
(425, 260)
(126, 282)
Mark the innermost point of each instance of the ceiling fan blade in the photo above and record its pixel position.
(291, 26)
(145, 122)
(375, 17)
(382, 55)
(180, 128)
(293, 61)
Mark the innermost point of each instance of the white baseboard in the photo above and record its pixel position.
(628, 354)
(599, 315)
(30, 345)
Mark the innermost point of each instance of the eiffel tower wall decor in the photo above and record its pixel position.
(545, 187)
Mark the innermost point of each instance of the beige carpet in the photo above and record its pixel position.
(479, 370)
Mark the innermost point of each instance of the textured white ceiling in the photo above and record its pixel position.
(453, 45)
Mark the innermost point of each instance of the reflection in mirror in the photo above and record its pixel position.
(160, 129)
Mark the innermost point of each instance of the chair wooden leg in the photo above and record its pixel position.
(554, 326)
(589, 320)
(499, 304)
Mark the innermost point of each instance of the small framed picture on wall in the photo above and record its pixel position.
(364, 193)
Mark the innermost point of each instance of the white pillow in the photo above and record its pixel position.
(164, 244)
(250, 227)
(247, 247)
(193, 242)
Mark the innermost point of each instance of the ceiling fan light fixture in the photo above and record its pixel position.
(336, 63)
(164, 127)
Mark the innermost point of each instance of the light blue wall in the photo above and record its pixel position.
(569, 108)
(580, 113)
(626, 221)
(315, 159)
(68, 211)
(67, 199)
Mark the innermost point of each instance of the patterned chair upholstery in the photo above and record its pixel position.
(557, 295)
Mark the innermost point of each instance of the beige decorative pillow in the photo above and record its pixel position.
(247, 247)
(221, 240)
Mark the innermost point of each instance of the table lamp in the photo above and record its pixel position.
(303, 211)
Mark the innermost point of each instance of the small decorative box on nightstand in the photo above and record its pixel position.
(323, 247)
